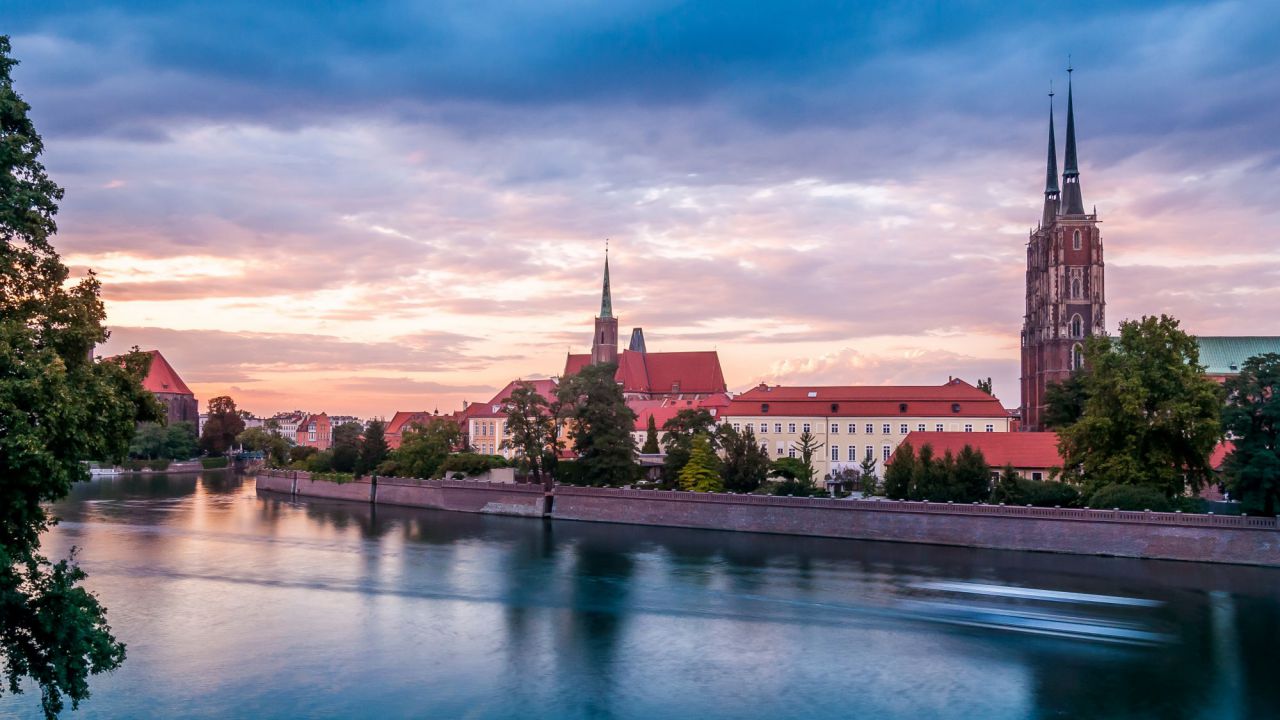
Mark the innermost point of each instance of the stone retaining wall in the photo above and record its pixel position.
(1173, 536)
(498, 498)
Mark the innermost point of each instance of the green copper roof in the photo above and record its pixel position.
(1223, 355)
(606, 299)
(1051, 177)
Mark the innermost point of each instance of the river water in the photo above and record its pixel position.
(239, 605)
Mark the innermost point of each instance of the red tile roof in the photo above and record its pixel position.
(1034, 450)
(695, 372)
(667, 408)
(162, 378)
(546, 387)
(1220, 453)
(956, 398)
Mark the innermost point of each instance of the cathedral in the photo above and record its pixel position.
(1065, 300)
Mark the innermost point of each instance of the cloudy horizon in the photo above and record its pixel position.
(362, 209)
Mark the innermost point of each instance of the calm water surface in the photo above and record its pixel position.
(240, 605)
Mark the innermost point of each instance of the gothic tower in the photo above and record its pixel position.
(604, 346)
(1065, 300)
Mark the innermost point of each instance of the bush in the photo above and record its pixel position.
(1049, 493)
(470, 464)
(213, 463)
(137, 465)
(799, 488)
(339, 478)
(1129, 497)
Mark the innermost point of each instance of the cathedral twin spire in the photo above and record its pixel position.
(1072, 202)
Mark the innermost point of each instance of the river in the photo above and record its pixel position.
(240, 606)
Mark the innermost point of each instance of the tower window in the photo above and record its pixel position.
(1077, 326)
(1077, 357)
(1075, 240)
(1075, 288)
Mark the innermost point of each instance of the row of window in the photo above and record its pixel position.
(487, 429)
(885, 429)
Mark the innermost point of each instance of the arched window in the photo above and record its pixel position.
(1077, 326)
(1075, 240)
(1077, 356)
(1075, 288)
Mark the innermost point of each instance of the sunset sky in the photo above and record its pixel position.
(363, 208)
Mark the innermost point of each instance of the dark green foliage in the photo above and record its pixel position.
(346, 447)
(171, 442)
(985, 386)
(1252, 421)
(58, 407)
(972, 479)
(423, 448)
(651, 438)
(1064, 401)
(899, 471)
(788, 468)
(213, 463)
(266, 440)
(677, 441)
(320, 462)
(221, 427)
(1011, 489)
(1007, 489)
(1150, 418)
(300, 453)
(373, 448)
(808, 446)
(600, 426)
(701, 473)
(470, 464)
(745, 464)
(1129, 497)
(531, 422)
(868, 466)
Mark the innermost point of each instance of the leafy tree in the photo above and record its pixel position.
(373, 448)
(599, 426)
(1006, 489)
(1130, 497)
(972, 479)
(788, 468)
(299, 454)
(58, 407)
(1064, 401)
(700, 473)
(985, 386)
(149, 441)
(1252, 421)
(651, 438)
(808, 446)
(533, 432)
(899, 472)
(180, 441)
(423, 448)
(222, 426)
(1151, 418)
(346, 447)
(868, 467)
(677, 442)
(746, 464)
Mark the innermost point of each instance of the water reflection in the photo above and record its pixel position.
(240, 604)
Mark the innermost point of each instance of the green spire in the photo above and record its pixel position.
(606, 299)
(1051, 176)
(1072, 198)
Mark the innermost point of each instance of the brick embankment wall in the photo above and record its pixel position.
(458, 495)
(1173, 536)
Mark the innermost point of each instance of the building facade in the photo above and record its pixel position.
(166, 385)
(487, 429)
(1065, 298)
(855, 422)
(315, 431)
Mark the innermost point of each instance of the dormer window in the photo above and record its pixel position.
(902, 407)
(764, 407)
(835, 407)
(955, 407)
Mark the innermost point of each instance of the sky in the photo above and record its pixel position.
(369, 207)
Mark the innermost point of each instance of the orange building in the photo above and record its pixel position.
(315, 431)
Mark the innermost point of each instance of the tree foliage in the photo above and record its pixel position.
(346, 447)
(532, 426)
(423, 449)
(651, 446)
(746, 464)
(899, 471)
(373, 448)
(1252, 422)
(469, 464)
(1064, 401)
(222, 426)
(985, 386)
(157, 441)
(1151, 418)
(599, 426)
(964, 477)
(700, 473)
(808, 446)
(58, 407)
(677, 441)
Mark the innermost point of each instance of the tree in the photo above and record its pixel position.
(899, 471)
(346, 447)
(599, 426)
(222, 426)
(699, 474)
(808, 446)
(423, 448)
(1064, 401)
(373, 448)
(746, 464)
(533, 432)
(972, 479)
(1151, 418)
(788, 468)
(985, 386)
(868, 467)
(677, 441)
(58, 407)
(651, 438)
(1252, 422)
(1006, 489)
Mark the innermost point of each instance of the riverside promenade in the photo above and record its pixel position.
(1167, 536)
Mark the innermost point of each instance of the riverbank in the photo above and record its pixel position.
(1166, 536)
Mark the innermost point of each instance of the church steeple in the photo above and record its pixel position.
(1073, 201)
(606, 298)
(1051, 172)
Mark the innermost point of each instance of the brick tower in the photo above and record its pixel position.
(604, 346)
(1065, 299)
